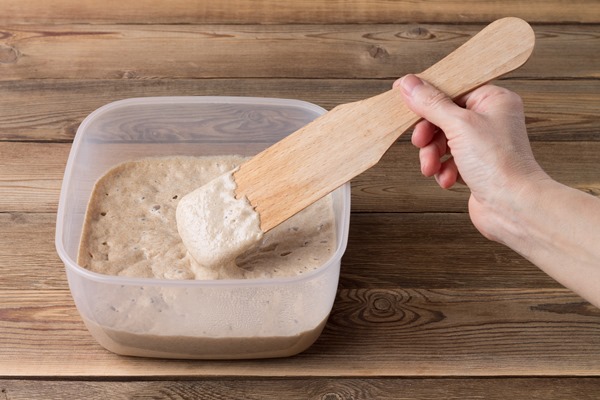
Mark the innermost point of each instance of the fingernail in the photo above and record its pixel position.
(409, 83)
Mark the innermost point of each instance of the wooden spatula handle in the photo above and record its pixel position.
(331, 150)
(501, 47)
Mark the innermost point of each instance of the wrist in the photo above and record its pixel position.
(507, 217)
(556, 228)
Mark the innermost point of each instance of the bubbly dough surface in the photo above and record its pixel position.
(215, 226)
(130, 226)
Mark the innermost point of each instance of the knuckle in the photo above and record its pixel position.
(516, 99)
(435, 99)
(510, 96)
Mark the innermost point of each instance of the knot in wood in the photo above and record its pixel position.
(130, 75)
(417, 33)
(255, 121)
(8, 54)
(383, 308)
(18, 218)
(382, 304)
(254, 116)
(331, 396)
(377, 51)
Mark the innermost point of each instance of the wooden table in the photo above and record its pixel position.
(426, 306)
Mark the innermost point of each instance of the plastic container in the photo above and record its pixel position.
(220, 319)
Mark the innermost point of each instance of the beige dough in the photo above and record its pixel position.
(215, 227)
(130, 226)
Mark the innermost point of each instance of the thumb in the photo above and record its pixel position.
(427, 101)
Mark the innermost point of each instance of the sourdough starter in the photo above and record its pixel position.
(130, 230)
(130, 227)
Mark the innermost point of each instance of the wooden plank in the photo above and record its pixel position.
(316, 388)
(51, 110)
(374, 332)
(28, 258)
(273, 11)
(384, 250)
(384, 188)
(270, 51)
(428, 251)
(31, 175)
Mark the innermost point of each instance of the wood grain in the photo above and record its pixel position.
(323, 388)
(28, 258)
(269, 51)
(51, 110)
(397, 178)
(419, 314)
(375, 332)
(418, 250)
(31, 175)
(426, 250)
(273, 11)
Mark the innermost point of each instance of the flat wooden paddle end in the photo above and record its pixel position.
(313, 161)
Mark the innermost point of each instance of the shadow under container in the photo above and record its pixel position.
(217, 319)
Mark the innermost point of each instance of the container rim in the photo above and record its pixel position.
(196, 100)
(71, 265)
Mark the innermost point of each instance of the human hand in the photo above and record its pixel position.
(480, 140)
(512, 200)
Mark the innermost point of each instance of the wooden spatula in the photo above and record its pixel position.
(315, 160)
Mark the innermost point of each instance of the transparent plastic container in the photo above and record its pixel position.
(218, 319)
